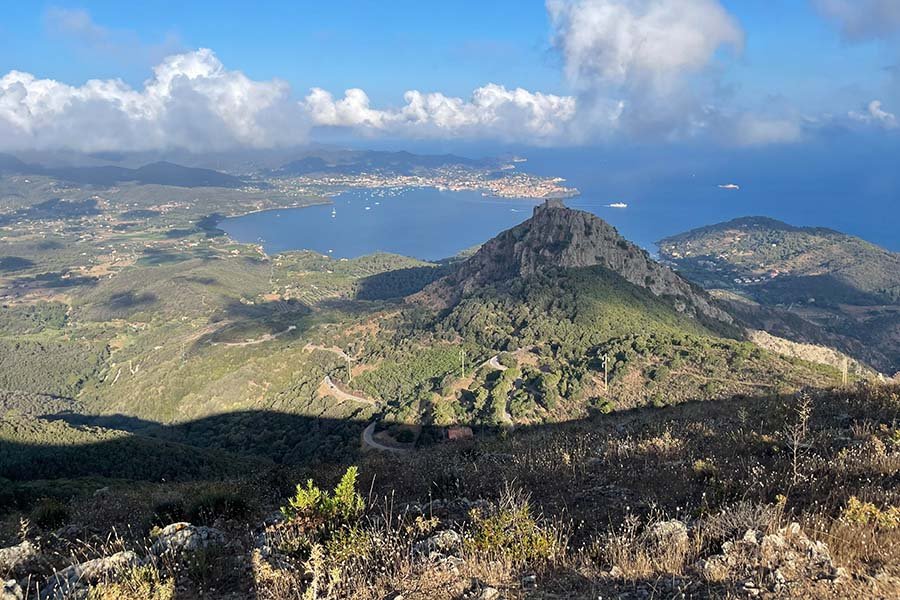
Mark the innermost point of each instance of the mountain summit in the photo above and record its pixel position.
(558, 237)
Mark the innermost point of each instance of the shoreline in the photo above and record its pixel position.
(326, 200)
(331, 200)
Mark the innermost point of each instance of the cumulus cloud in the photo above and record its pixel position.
(492, 111)
(863, 19)
(876, 115)
(621, 41)
(642, 67)
(192, 101)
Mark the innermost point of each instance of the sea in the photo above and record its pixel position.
(851, 187)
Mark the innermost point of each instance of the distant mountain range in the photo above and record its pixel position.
(354, 162)
(846, 288)
(159, 173)
(110, 168)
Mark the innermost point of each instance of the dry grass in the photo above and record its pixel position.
(648, 502)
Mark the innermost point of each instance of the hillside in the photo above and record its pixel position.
(583, 319)
(185, 378)
(847, 288)
(353, 162)
(159, 173)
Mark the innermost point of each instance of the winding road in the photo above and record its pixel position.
(494, 363)
(346, 396)
(369, 440)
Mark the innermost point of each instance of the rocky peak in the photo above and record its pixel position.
(560, 237)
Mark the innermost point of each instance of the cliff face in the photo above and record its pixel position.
(560, 237)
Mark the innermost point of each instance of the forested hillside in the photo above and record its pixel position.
(845, 287)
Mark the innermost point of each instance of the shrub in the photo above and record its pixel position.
(343, 503)
(138, 583)
(211, 506)
(406, 437)
(866, 513)
(168, 511)
(49, 514)
(511, 532)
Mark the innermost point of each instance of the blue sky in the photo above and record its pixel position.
(388, 47)
(383, 47)
(786, 64)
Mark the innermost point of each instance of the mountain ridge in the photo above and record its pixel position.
(810, 284)
(559, 237)
(159, 172)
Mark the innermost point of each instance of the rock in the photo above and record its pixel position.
(20, 559)
(478, 590)
(786, 558)
(670, 534)
(489, 593)
(559, 237)
(179, 538)
(445, 543)
(11, 591)
(71, 580)
(529, 581)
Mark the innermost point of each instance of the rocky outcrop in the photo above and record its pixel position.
(559, 237)
(11, 590)
(74, 579)
(442, 543)
(180, 538)
(20, 559)
(773, 562)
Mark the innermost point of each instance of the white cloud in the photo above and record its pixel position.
(626, 41)
(643, 68)
(876, 115)
(493, 111)
(757, 130)
(192, 101)
(863, 19)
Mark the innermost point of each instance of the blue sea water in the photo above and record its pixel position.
(421, 222)
(852, 186)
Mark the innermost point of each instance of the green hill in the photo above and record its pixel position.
(847, 287)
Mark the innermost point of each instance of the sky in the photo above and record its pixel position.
(105, 75)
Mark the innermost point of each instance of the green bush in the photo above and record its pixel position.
(512, 533)
(343, 503)
(49, 513)
(138, 583)
(214, 505)
(168, 511)
(406, 437)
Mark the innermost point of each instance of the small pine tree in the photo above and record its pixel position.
(343, 503)
(346, 502)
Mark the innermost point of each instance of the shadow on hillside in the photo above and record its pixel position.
(54, 279)
(397, 283)
(223, 445)
(819, 290)
(245, 323)
(11, 264)
(215, 447)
